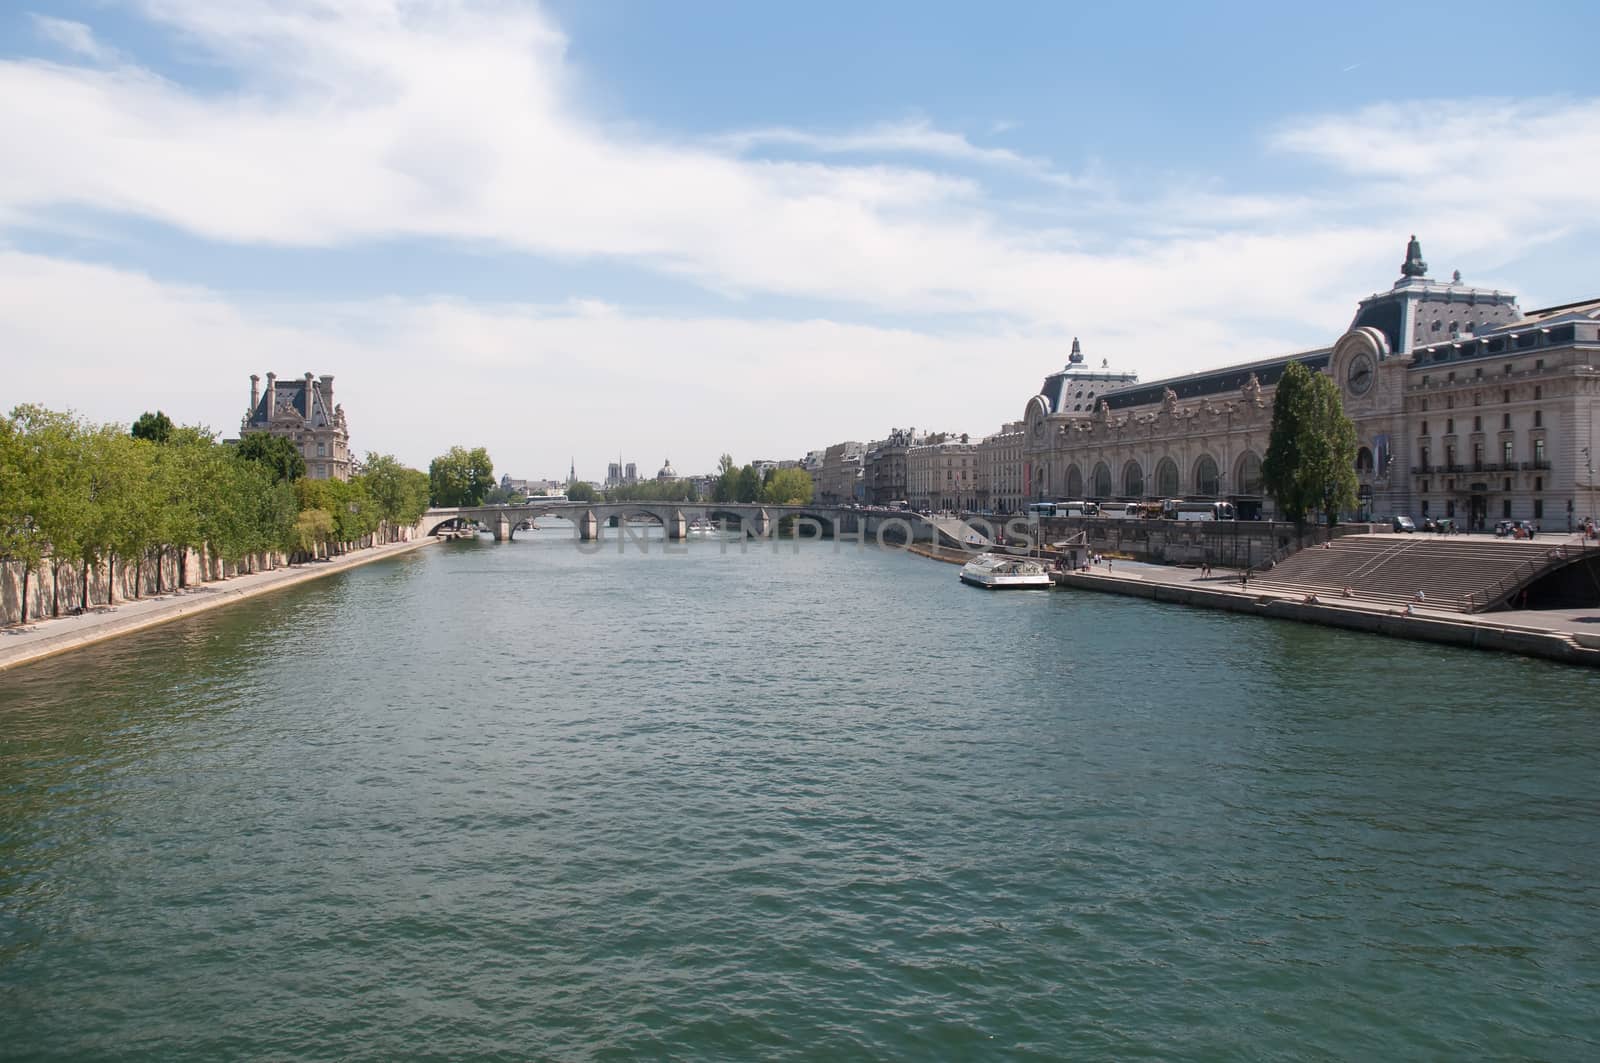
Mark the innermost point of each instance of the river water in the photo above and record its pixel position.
(521, 801)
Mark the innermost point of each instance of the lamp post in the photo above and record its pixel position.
(1588, 463)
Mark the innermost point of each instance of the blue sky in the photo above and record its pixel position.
(588, 227)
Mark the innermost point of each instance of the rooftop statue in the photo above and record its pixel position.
(1413, 265)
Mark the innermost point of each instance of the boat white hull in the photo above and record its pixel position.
(1007, 583)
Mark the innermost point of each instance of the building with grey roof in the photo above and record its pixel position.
(1465, 407)
(303, 411)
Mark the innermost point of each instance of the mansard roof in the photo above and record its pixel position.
(1550, 326)
(292, 395)
(1215, 381)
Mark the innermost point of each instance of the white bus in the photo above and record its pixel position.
(1063, 509)
(1176, 509)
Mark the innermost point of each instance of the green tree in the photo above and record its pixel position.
(56, 479)
(22, 540)
(788, 487)
(400, 494)
(749, 489)
(182, 484)
(1311, 452)
(460, 477)
(580, 491)
(155, 427)
(726, 489)
(117, 473)
(277, 453)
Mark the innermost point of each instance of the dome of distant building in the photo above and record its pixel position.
(667, 471)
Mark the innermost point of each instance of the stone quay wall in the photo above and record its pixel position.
(1224, 543)
(53, 591)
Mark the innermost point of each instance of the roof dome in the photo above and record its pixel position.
(667, 471)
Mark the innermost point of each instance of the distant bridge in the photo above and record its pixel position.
(754, 518)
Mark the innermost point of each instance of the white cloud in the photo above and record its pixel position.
(73, 36)
(465, 122)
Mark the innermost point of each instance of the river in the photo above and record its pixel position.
(524, 801)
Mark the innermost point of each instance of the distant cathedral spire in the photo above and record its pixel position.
(1413, 265)
(572, 473)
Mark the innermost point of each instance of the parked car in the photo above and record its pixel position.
(1503, 529)
(1402, 523)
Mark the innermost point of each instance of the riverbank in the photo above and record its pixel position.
(1568, 636)
(51, 636)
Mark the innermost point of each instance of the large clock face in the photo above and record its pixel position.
(1359, 378)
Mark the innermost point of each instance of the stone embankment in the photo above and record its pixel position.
(48, 637)
(1533, 634)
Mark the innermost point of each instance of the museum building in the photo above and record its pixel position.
(1465, 407)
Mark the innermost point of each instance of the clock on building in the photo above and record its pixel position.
(1361, 374)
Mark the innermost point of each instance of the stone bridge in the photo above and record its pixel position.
(753, 518)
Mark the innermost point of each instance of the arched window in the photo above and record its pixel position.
(1205, 476)
(1247, 477)
(1364, 460)
(1132, 480)
(1074, 482)
(1167, 478)
(1102, 481)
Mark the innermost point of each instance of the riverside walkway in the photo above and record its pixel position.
(1568, 635)
(48, 636)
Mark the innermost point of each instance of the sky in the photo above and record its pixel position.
(584, 229)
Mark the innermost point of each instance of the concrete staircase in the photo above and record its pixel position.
(1462, 574)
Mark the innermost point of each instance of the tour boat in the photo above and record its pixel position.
(1000, 572)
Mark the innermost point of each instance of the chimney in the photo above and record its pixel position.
(309, 386)
(327, 392)
(255, 393)
(272, 395)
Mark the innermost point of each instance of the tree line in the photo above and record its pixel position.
(779, 487)
(75, 492)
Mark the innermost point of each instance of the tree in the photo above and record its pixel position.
(400, 494)
(460, 477)
(1311, 453)
(56, 486)
(579, 491)
(21, 538)
(749, 489)
(156, 427)
(788, 487)
(277, 453)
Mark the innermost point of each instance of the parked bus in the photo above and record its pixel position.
(1176, 509)
(1121, 510)
(1062, 509)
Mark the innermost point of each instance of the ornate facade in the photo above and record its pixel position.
(304, 412)
(1465, 407)
(943, 476)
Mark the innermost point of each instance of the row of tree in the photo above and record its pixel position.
(782, 487)
(73, 492)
